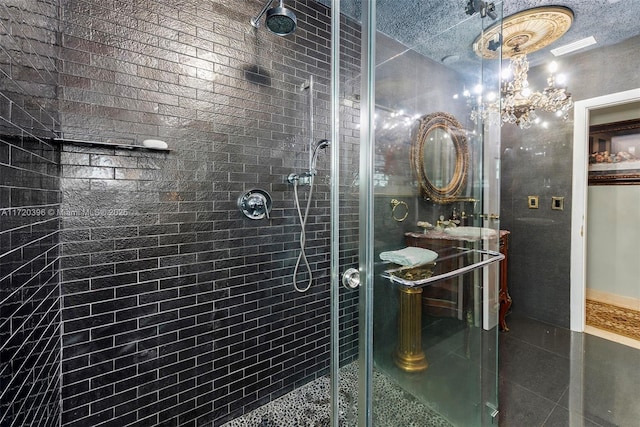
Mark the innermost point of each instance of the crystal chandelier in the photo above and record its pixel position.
(523, 33)
(519, 103)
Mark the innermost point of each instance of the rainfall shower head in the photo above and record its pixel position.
(279, 20)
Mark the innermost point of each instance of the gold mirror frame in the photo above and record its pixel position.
(454, 187)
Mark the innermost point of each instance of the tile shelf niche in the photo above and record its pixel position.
(108, 144)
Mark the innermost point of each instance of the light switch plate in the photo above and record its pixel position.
(533, 202)
(557, 203)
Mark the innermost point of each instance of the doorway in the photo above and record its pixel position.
(579, 232)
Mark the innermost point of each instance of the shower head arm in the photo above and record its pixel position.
(255, 21)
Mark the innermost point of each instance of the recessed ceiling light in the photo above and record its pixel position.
(572, 47)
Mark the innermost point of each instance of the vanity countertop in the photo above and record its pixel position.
(441, 235)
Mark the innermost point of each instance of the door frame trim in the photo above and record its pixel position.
(579, 197)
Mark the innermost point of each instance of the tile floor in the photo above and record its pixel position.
(548, 376)
(552, 377)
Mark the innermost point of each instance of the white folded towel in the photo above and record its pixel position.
(409, 256)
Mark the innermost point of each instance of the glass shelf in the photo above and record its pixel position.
(464, 259)
(108, 145)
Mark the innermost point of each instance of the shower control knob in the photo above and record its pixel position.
(255, 204)
(351, 278)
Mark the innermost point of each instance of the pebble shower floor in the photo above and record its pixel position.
(308, 406)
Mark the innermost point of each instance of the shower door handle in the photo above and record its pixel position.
(351, 278)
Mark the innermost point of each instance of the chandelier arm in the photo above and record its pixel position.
(518, 104)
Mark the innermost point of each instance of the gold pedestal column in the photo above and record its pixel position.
(409, 355)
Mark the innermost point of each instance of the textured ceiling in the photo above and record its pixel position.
(440, 29)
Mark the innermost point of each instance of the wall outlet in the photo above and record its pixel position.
(533, 202)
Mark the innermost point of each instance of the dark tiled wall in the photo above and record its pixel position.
(538, 161)
(540, 240)
(178, 310)
(29, 217)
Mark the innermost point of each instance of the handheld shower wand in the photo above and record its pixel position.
(322, 144)
(307, 177)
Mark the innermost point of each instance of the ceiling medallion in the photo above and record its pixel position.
(525, 32)
(519, 34)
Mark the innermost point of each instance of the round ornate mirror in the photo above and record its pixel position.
(439, 157)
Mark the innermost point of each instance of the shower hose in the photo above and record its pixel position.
(302, 256)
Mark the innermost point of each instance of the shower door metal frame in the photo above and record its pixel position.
(365, 309)
(366, 214)
(335, 216)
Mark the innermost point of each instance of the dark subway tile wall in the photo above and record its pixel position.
(29, 217)
(177, 309)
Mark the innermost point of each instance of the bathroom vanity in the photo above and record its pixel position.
(442, 280)
(444, 298)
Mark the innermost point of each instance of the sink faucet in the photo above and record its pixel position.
(449, 223)
(426, 226)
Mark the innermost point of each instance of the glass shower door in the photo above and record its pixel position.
(425, 347)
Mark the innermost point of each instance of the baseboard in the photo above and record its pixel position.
(613, 299)
(611, 336)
